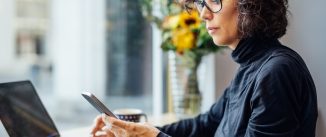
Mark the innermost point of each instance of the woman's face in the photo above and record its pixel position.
(223, 25)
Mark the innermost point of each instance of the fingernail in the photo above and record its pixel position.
(106, 120)
(107, 127)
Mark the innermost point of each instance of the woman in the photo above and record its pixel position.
(272, 93)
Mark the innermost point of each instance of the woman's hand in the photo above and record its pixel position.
(106, 126)
(100, 129)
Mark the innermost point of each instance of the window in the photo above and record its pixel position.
(129, 56)
(67, 47)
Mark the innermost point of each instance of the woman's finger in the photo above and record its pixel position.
(122, 124)
(119, 132)
(104, 134)
(98, 124)
(110, 134)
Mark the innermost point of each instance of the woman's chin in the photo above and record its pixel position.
(225, 43)
(219, 42)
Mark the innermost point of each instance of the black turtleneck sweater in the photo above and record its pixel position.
(272, 95)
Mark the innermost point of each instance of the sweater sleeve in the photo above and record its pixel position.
(161, 134)
(202, 125)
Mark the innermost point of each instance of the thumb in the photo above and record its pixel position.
(120, 123)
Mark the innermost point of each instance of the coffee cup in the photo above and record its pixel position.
(131, 115)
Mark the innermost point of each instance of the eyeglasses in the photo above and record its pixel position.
(212, 5)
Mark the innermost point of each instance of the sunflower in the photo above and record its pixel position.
(189, 20)
(171, 22)
(183, 39)
(183, 31)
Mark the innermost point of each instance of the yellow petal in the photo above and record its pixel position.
(183, 39)
(171, 22)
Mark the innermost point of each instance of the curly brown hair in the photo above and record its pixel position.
(263, 18)
(260, 18)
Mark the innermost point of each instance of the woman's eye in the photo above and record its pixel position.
(199, 2)
(216, 1)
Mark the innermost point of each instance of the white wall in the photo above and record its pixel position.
(77, 42)
(225, 71)
(306, 35)
(206, 75)
(7, 13)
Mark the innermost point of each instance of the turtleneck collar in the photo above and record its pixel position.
(250, 49)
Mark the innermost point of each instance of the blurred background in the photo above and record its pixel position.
(108, 48)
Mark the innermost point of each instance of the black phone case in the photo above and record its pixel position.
(97, 104)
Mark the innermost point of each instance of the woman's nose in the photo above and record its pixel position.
(205, 14)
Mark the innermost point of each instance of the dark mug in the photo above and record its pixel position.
(131, 115)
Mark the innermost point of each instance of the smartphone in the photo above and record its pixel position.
(97, 104)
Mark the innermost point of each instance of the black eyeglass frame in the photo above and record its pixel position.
(202, 4)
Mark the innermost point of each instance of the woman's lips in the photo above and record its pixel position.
(212, 30)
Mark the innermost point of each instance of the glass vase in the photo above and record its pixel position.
(186, 96)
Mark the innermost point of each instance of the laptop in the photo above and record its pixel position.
(22, 112)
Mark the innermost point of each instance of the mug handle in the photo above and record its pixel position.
(145, 116)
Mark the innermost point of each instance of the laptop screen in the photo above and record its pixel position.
(22, 112)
